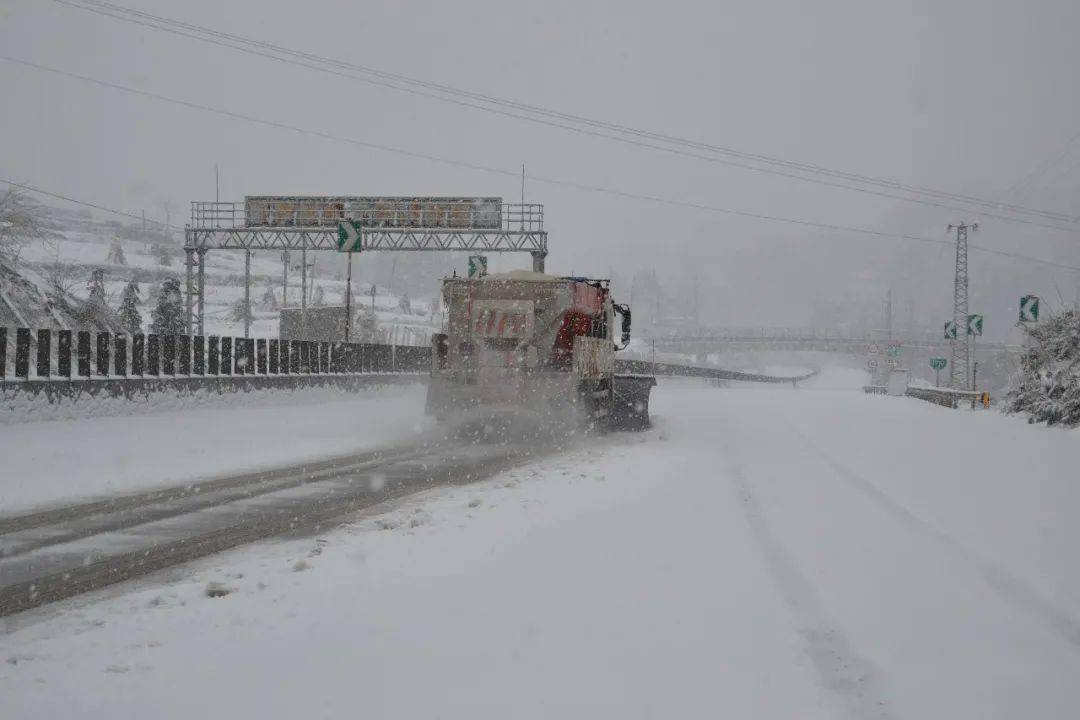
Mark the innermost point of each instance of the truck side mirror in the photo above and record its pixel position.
(624, 310)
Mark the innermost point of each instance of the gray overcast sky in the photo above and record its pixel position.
(962, 96)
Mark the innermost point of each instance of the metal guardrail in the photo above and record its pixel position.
(946, 397)
(84, 356)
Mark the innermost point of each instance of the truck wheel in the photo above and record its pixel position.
(598, 401)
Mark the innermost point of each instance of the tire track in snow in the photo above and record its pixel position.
(1018, 593)
(853, 679)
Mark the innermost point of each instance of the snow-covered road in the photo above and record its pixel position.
(763, 552)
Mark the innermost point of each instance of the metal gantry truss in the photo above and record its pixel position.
(224, 226)
(396, 239)
(960, 354)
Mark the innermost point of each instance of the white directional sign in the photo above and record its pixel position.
(1029, 308)
(974, 324)
(349, 236)
(950, 330)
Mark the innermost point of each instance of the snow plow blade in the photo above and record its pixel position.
(630, 406)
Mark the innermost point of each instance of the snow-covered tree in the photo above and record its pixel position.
(366, 326)
(168, 317)
(404, 304)
(241, 311)
(95, 290)
(62, 277)
(1047, 385)
(164, 254)
(116, 254)
(130, 318)
(269, 299)
(20, 224)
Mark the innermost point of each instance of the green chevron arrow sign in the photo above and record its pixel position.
(1029, 308)
(950, 330)
(477, 266)
(974, 324)
(349, 236)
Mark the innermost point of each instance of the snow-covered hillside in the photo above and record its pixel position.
(78, 243)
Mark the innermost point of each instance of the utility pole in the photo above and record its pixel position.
(284, 278)
(656, 300)
(247, 293)
(960, 360)
(303, 285)
(888, 314)
(348, 298)
(201, 254)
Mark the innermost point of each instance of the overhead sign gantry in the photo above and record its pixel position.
(355, 224)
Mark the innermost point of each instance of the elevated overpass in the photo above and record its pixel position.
(717, 340)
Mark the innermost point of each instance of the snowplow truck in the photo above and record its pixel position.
(526, 341)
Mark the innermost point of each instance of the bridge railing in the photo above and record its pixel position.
(645, 367)
(827, 338)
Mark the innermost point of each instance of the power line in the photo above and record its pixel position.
(84, 203)
(484, 102)
(1048, 162)
(614, 192)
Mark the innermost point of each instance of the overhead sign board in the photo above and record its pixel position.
(480, 213)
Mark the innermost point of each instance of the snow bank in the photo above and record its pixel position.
(50, 462)
(18, 407)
